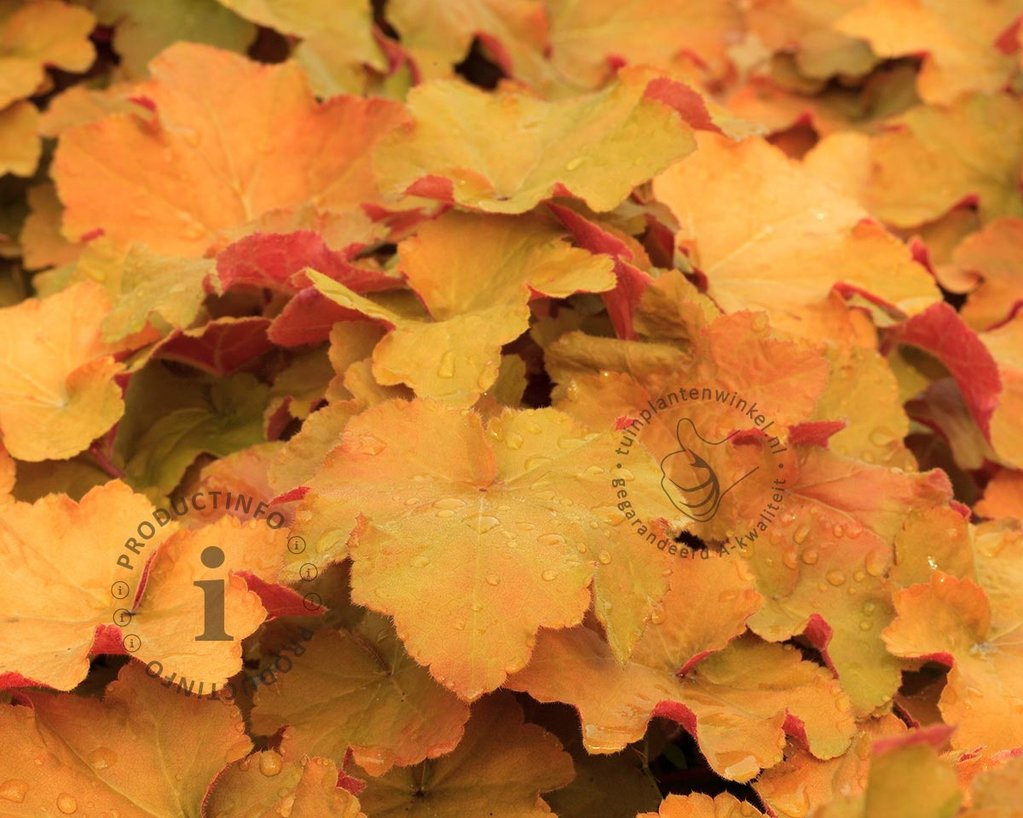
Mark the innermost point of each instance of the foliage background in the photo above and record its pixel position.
(406, 269)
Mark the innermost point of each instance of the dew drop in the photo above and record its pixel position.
(477, 606)
(14, 789)
(789, 559)
(876, 562)
(657, 615)
(549, 574)
(420, 562)
(604, 557)
(810, 556)
(367, 444)
(459, 625)
(485, 523)
(581, 547)
(800, 534)
(103, 757)
(270, 763)
(493, 579)
(67, 803)
(514, 440)
(625, 474)
(746, 768)
(864, 625)
(515, 667)
(869, 607)
(838, 530)
(551, 539)
(835, 577)
(575, 163)
(537, 463)
(880, 436)
(445, 513)
(447, 365)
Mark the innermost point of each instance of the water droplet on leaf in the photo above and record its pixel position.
(447, 365)
(270, 763)
(14, 789)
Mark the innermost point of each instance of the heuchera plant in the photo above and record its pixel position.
(511, 408)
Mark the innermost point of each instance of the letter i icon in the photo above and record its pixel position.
(213, 599)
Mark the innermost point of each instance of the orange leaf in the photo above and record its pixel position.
(475, 515)
(738, 703)
(455, 356)
(994, 255)
(449, 153)
(42, 243)
(930, 160)
(824, 568)
(797, 239)
(802, 783)
(958, 39)
(359, 690)
(213, 157)
(72, 755)
(589, 39)
(36, 34)
(270, 784)
(806, 29)
(702, 806)
(20, 146)
(57, 390)
(438, 37)
(1003, 496)
(499, 769)
(1006, 346)
(972, 627)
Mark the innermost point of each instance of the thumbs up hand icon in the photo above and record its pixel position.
(688, 479)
